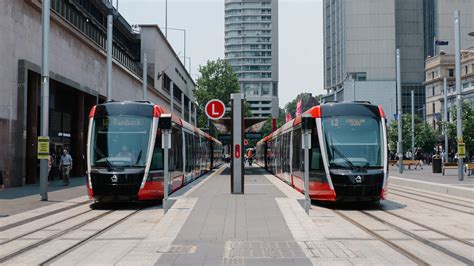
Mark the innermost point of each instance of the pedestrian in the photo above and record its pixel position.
(50, 163)
(250, 156)
(65, 164)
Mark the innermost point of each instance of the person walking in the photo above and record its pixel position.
(50, 165)
(65, 164)
(250, 156)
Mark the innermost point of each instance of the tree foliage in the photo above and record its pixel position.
(425, 137)
(217, 81)
(467, 126)
(308, 101)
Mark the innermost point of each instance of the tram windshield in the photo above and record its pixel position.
(120, 141)
(353, 141)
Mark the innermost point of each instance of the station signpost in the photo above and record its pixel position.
(237, 163)
(307, 124)
(165, 126)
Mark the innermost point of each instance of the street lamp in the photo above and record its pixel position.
(457, 49)
(471, 34)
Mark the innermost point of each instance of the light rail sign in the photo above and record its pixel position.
(43, 147)
(461, 150)
(215, 109)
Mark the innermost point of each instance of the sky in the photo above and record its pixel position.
(300, 37)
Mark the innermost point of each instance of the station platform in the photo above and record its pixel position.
(426, 179)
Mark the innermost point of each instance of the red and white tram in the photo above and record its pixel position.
(348, 158)
(125, 157)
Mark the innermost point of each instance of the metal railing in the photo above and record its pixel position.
(88, 25)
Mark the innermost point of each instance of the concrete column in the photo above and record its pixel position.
(182, 105)
(78, 154)
(189, 112)
(34, 84)
(171, 97)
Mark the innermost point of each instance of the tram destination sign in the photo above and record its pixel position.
(253, 135)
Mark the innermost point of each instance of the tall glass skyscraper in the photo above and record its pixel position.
(251, 47)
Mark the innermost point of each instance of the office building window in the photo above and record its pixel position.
(451, 72)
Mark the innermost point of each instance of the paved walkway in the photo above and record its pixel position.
(225, 229)
(426, 174)
(20, 199)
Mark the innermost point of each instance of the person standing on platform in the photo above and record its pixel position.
(65, 164)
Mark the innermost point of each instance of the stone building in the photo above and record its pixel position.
(440, 67)
(77, 77)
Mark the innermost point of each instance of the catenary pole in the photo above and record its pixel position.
(412, 124)
(399, 116)
(445, 121)
(457, 51)
(110, 25)
(45, 94)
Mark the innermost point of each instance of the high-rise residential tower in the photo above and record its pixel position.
(251, 47)
(360, 39)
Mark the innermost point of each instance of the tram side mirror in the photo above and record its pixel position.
(165, 121)
(307, 122)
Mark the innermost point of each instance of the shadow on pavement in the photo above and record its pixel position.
(29, 190)
(125, 205)
(385, 205)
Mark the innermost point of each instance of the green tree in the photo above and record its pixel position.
(217, 81)
(467, 126)
(307, 100)
(425, 137)
(267, 127)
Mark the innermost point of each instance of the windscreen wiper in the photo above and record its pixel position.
(111, 167)
(341, 155)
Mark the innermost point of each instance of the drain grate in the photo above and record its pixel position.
(178, 249)
(236, 251)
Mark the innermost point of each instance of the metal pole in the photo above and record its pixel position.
(145, 77)
(184, 49)
(166, 146)
(166, 19)
(412, 124)
(457, 51)
(445, 120)
(399, 116)
(45, 95)
(110, 25)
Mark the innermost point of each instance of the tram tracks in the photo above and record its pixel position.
(43, 215)
(424, 193)
(87, 239)
(420, 198)
(402, 250)
(61, 233)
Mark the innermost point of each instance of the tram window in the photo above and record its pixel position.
(296, 151)
(157, 157)
(315, 155)
(179, 148)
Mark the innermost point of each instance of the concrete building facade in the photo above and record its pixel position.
(251, 47)
(361, 37)
(77, 78)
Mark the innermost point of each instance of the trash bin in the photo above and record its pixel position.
(437, 166)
